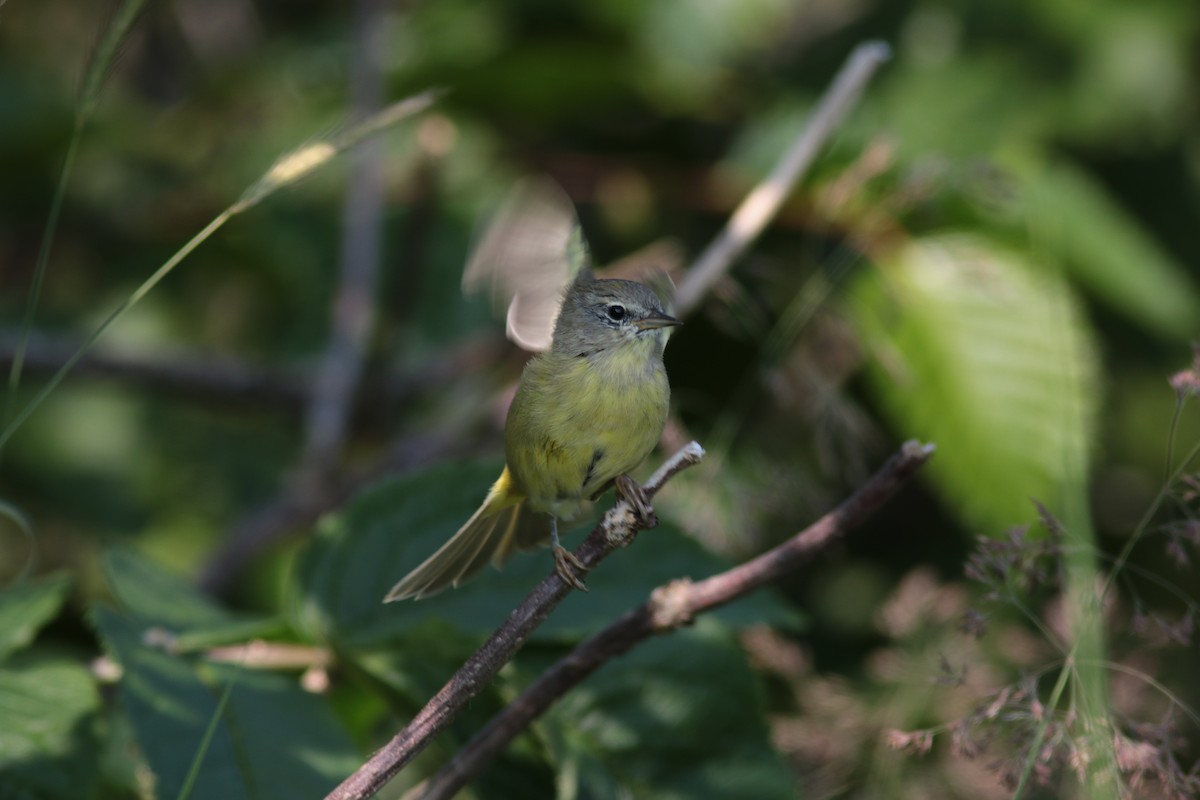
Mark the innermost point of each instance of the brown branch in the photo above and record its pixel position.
(764, 202)
(670, 606)
(616, 528)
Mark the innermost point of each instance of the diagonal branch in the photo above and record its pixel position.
(764, 202)
(616, 529)
(670, 606)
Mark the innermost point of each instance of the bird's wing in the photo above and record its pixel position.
(531, 250)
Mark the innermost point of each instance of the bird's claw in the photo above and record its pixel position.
(568, 567)
(632, 492)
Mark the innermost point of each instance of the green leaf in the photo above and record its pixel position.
(170, 709)
(361, 552)
(312, 755)
(49, 748)
(26, 607)
(148, 591)
(273, 740)
(154, 595)
(988, 356)
(1072, 217)
(679, 717)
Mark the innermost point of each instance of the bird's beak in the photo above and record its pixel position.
(656, 321)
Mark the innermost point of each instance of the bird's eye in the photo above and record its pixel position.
(616, 312)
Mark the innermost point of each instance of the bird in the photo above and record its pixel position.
(589, 409)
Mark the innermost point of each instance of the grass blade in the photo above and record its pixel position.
(287, 170)
(93, 80)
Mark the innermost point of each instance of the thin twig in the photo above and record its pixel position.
(503, 644)
(764, 202)
(294, 511)
(670, 607)
(206, 379)
(296, 507)
(353, 321)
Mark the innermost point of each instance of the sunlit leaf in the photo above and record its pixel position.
(987, 355)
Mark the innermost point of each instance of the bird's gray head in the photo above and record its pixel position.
(602, 315)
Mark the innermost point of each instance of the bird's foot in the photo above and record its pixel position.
(631, 492)
(569, 567)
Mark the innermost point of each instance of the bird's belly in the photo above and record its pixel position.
(566, 441)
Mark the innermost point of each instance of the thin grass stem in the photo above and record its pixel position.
(286, 171)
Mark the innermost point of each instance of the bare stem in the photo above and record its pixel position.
(670, 606)
(297, 506)
(353, 317)
(282, 389)
(499, 649)
(764, 202)
(293, 511)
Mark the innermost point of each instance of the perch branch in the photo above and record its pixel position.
(670, 606)
(764, 202)
(618, 525)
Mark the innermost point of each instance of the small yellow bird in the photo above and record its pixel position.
(588, 410)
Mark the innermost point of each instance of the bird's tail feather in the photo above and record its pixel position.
(497, 529)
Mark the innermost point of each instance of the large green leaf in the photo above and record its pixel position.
(271, 740)
(987, 355)
(48, 743)
(26, 607)
(287, 740)
(154, 595)
(679, 717)
(170, 708)
(1072, 217)
(361, 552)
(150, 592)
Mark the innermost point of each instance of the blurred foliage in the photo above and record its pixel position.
(1004, 348)
(996, 253)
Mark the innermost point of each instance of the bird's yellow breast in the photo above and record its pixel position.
(579, 421)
